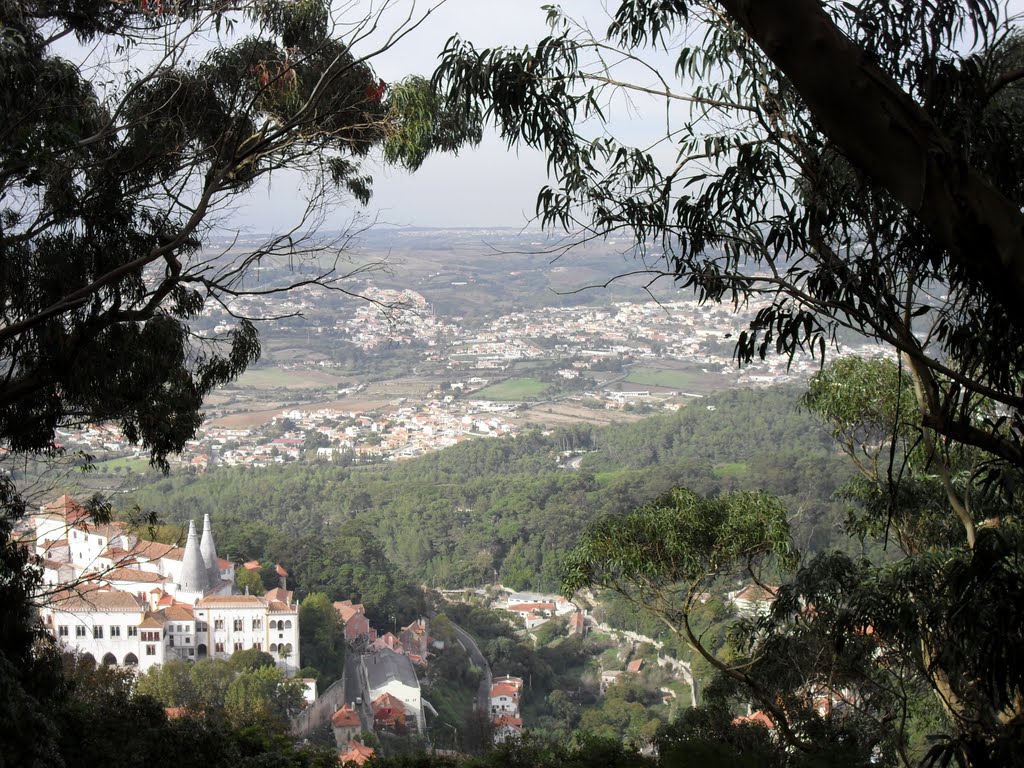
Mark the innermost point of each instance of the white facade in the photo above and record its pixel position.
(112, 627)
(127, 603)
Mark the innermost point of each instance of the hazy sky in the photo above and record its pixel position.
(487, 186)
(490, 185)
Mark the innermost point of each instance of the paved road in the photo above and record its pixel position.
(354, 689)
(483, 696)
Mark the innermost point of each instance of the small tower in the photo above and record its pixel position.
(209, 552)
(193, 571)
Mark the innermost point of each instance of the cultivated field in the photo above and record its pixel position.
(512, 389)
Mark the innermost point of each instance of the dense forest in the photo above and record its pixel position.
(505, 510)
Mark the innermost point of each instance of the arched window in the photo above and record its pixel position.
(273, 647)
(288, 624)
(109, 660)
(286, 650)
(131, 660)
(273, 624)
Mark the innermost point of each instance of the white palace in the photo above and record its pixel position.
(132, 602)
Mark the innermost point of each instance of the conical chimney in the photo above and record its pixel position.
(209, 552)
(193, 571)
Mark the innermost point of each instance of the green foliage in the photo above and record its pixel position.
(250, 659)
(249, 581)
(243, 691)
(322, 638)
(503, 509)
(681, 542)
(425, 123)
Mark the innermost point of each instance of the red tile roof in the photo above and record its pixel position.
(68, 508)
(504, 689)
(222, 601)
(346, 717)
(133, 574)
(95, 600)
(756, 718)
(357, 754)
(515, 722)
(388, 701)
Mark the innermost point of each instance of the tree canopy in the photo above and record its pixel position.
(129, 133)
(777, 178)
(121, 157)
(847, 166)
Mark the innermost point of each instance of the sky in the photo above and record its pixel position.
(487, 186)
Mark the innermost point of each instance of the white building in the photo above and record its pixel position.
(388, 672)
(127, 601)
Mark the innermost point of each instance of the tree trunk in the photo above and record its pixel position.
(889, 137)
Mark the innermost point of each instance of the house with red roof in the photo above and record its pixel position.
(753, 599)
(346, 725)
(356, 754)
(357, 626)
(388, 713)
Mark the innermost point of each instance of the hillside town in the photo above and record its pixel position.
(589, 352)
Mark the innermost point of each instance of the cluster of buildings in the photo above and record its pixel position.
(391, 697)
(124, 600)
(506, 721)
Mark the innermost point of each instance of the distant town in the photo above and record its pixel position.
(482, 382)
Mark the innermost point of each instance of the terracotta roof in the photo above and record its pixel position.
(153, 620)
(68, 508)
(347, 610)
(179, 613)
(754, 593)
(515, 722)
(530, 607)
(388, 701)
(95, 600)
(756, 718)
(280, 571)
(282, 595)
(357, 754)
(218, 601)
(276, 606)
(154, 550)
(635, 666)
(133, 574)
(504, 689)
(346, 717)
(252, 565)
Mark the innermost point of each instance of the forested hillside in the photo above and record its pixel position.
(505, 510)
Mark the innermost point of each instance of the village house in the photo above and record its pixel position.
(504, 706)
(357, 626)
(387, 672)
(753, 600)
(345, 725)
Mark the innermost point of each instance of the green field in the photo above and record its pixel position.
(737, 469)
(111, 465)
(513, 389)
(274, 378)
(695, 381)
